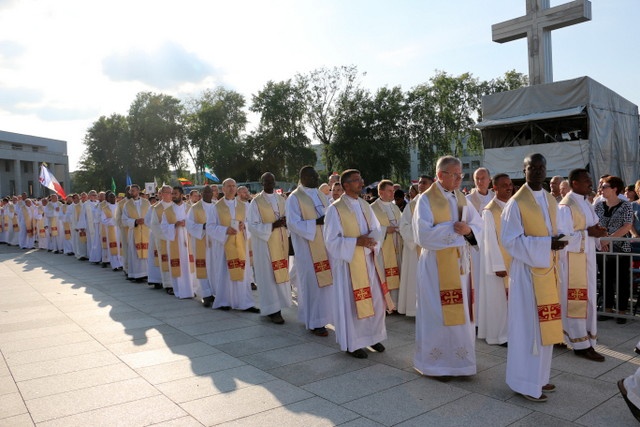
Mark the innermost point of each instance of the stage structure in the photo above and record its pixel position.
(574, 123)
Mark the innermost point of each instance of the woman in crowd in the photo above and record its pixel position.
(616, 216)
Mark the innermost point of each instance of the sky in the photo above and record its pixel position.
(65, 63)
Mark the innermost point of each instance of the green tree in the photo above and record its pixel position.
(442, 117)
(157, 135)
(323, 89)
(371, 134)
(280, 144)
(108, 154)
(215, 126)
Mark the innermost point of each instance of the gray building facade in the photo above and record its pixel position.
(20, 160)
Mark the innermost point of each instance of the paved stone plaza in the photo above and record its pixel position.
(81, 346)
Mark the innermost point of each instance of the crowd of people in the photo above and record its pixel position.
(517, 267)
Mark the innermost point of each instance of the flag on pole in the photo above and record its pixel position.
(208, 173)
(128, 179)
(184, 181)
(113, 186)
(50, 181)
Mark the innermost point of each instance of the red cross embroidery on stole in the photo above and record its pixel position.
(321, 266)
(451, 296)
(362, 294)
(549, 312)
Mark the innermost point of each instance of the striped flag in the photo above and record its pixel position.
(48, 180)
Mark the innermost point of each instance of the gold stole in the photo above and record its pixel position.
(447, 259)
(358, 264)
(53, 223)
(577, 286)
(389, 250)
(162, 247)
(545, 282)
(200, 217)
(475, 199)
(278, 242)
(234, 247)
(140, 231)
(174, 248)
(496, 210)
(65, 224)
(82, 235)
(28, 221)
(103, 228)
(42, 232)
(111, 231)
(317, 247)
(14, 221)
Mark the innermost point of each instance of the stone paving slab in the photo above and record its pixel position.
(81, 346)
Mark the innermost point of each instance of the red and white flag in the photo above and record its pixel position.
(48, 180)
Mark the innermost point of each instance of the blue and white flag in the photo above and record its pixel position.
(208, 173)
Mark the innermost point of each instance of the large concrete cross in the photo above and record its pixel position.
(536, 26)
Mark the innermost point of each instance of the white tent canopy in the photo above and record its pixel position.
(574, 123)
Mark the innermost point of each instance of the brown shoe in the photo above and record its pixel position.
(590, 354)
(549, 388)
(542, 398)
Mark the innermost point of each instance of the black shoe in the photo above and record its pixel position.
(276, 318)
(378, 347)
(208, 301)
(623, 391)
(358, 354)
(621, 321)
(224, 308)
(252, 310)
(320, 332)
(254, 287)
(602, 318)
(83, 258)
(504, 344)
(141, 279)
(169, 291)
(104, 264)
(157, 286)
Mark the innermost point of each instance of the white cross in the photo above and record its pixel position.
(536, 26)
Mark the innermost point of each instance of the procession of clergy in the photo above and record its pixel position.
(352, 263)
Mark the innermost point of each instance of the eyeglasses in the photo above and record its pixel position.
(455, 175)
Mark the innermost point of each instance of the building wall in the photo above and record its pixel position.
(20, 160)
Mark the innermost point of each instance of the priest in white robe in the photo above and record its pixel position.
(26, 215)
(174, 231)
(390, 254)
(201, 245)
(578, 220)
(108, 219)
(266, 222)
(305, 210)
(133, 216)
(535, 321)
(447, 229)
(88, 224)
(56, 229)
(155, 220)
(353, 236)
(630, 389)
(227, 228)
(78, 236)
(154, 274)
(479, 197)
(493, 286)
(410, 251)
